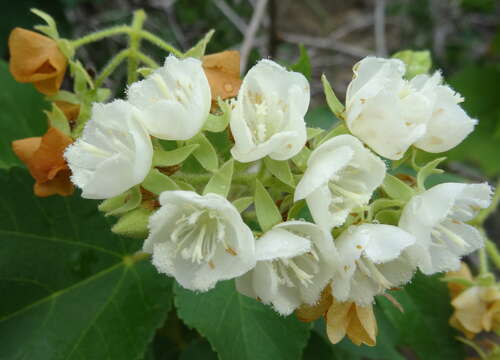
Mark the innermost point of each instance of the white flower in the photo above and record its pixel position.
(437, 218)
(199, 240)
(175, 99)
(341, 176)
(449, 124)
(268, 118)
(385, 111)
(372, 262)
(113, 154)
(390, 114)
(295, 261)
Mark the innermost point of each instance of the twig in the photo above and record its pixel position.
(379, 20)
(326, 43)
(248, 41)
(231, 15)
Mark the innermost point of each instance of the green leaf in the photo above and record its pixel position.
(280, 169)
(340, 129)
(300, 160)
(220, 182)
(239, 327)
(183, 185)
(198, 350)
(417, 62)
(156, 182)
(331, 99)
(389, 217)
(133, 224)
(123, 203)
(71, 289)
(384, 203)
(58, 120)
(173, 157)
(424, 325)
(427, 170)
(397, 189)
(205, 153)
(320, 117)
(199, 49)
(218, 123)
(243, 203)
(294, 212)
(21, 116)
(313, 132)
(51, 28)
(303, 64)
(268, 214)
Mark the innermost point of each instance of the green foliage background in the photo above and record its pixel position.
(73, 290)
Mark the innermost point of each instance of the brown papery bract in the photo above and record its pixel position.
(44, 158)
(223, 73)
(36, 59)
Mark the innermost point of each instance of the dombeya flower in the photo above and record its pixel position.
(437, 218)
(341, 175)
(372, 262)
(383, 110)
(295, 261)
(113, 154)
(449, 124)
(268, 118)
(390, 113)
(175, 99)
(199, 240)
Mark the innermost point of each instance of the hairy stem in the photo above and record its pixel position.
(134, 45)
(99, 35)
(111, 66)
(146, 60)
(155, 40)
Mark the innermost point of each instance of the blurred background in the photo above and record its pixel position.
(462, 35)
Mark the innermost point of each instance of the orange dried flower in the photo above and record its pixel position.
(223, 73)
(348, 318)
(36, 59)
(45, 161)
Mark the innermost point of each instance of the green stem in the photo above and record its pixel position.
(147, 60)
(111, 66)
(146, 35)
(493, 252)
(414, 152)
(483, 262)
(98, 35)
(134, 45)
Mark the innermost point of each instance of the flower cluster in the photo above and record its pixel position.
(348, 246)
(307, 220)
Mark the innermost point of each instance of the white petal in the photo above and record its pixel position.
(319, 205)
(382, 125)
(322, 165)
(268, 118)
(279, 243)
(178, 207)
(371, 75)
(113, 154)
(175, 99)
(384, 242)
(449, 124)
